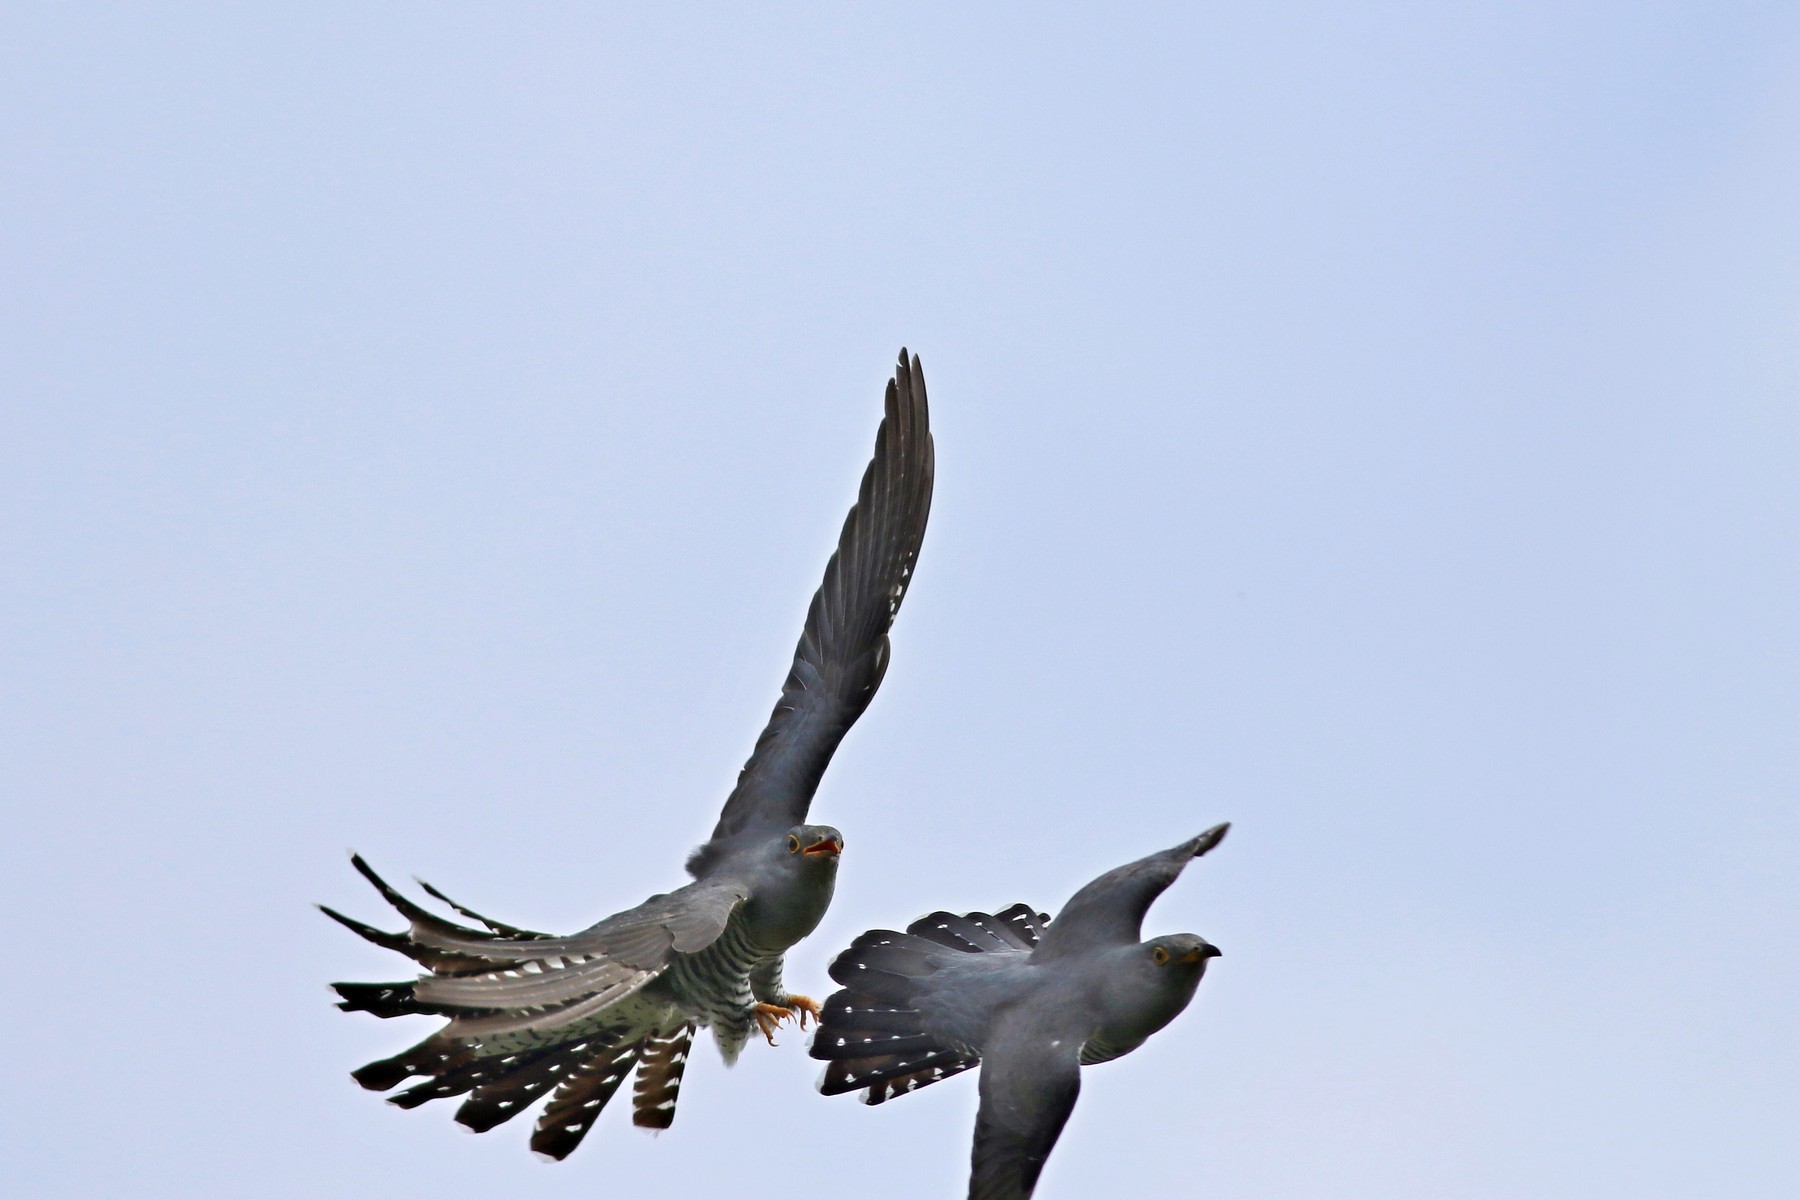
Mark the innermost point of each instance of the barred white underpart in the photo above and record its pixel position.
(713, 985)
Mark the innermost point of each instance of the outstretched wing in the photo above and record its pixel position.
(491, 983)
(1110, 910)
(843, 650)
(1030, 1077)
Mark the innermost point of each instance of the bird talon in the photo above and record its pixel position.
(804, 1007)
(768, 1018)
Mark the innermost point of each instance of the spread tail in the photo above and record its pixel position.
(872, 1034)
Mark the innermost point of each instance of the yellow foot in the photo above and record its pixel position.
(804, 1006)
(768, 1017)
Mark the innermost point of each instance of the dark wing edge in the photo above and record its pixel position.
(1030, 1078)
(843, 649)
(1110, 910)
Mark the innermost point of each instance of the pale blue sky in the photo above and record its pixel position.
(1374, 425)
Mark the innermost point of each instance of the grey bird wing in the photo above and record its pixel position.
(490, 983)
(1030, 1077)
(560, 981)
(1110, 910)
(843, 650)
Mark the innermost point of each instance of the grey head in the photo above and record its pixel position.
(1150, 983)
(790, 876)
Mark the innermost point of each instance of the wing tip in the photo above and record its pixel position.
(1209, 839)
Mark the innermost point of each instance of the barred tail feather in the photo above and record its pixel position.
(579, 1099)
(872, 1034)
(1023, 922)
(880, 1049)
(430, 1057)
(454, 1068)
(930, 1071)
(884, 1077)
(658, 1084)
(450, 1067)
(584, 1077)
(878, 1044)
(382, 999)
(1017, 928)
(886, 965)
(459, 1078)
(509, 1090)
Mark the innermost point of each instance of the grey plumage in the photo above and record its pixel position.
(1027, 999)
(530, 1014)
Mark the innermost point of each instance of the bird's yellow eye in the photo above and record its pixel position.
(1159, 956)
(793, 843)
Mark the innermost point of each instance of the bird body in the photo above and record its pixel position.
(1027, 999)
(530, 1014)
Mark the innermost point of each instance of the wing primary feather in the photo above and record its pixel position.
(499, 927)
(842, 653)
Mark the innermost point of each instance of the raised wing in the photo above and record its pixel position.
(843, 650)
(1030, 1077)
(1110, 910)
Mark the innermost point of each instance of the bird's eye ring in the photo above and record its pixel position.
(1159, 956)
(793, 843)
